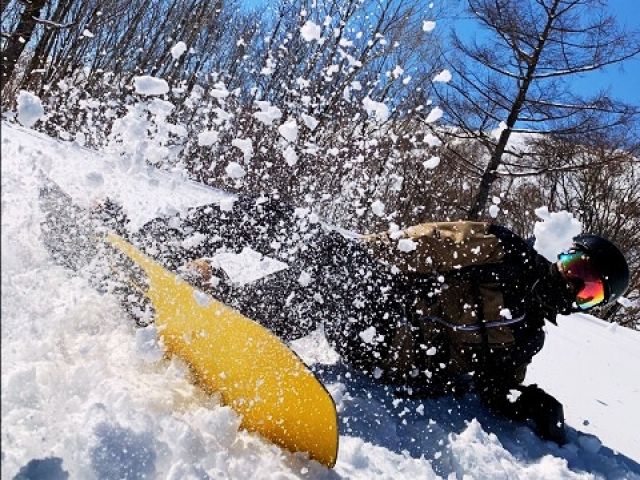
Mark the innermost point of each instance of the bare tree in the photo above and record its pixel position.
(516, 76)
(17, 40)
(596, 177)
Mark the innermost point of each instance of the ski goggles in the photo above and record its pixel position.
(590, 288)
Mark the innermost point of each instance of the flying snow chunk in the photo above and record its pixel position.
(368, 335)
(29, 108)
(207, 138)
(148, 85)
(235, 170)
(309, 121)
(160, 108)
(494, 210)
(627, 303)
(305, 279)
(226, 204)
(290, 156)
(496, 132)
(407, 245)
(376, 109)
(289, 130)
(245, 145)
(554, 234)
(193, 240)
(377, 208)
(247, 266)
(310, 31)
(219, 90)
(147, 346)
(434, 115)
(178, 50)
(432, 163)
(444, 76)
(202, 298)
(428, 25)
(86, 33)
(268, 113)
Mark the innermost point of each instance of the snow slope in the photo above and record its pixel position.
(86, 394)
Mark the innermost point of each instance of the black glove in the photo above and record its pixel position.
(544, 411)
(534, 404)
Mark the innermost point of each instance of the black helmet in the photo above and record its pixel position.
(608, 260)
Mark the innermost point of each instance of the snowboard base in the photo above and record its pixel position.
(256, 374)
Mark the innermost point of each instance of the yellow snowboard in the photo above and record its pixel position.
(254, 371)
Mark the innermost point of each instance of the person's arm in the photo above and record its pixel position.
(437, 247)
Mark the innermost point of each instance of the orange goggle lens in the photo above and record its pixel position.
(581, 273)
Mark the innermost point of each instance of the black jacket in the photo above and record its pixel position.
(422, 330)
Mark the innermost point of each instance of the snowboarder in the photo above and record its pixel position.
(431, 309)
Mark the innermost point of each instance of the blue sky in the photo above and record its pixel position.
(622, 81)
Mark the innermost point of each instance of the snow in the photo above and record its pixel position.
(368, 335)
(305, 279)
(431, 163)
(219, 90)
(598, 381)
(310, 31)
(309, 121)
(178, 50)
(84, 392)
(289, 130)
(377, 110)
(554, 234)
(235, 170)
(245, 145)
(30, 108)
(494, 210)
(377, 207)
(444, 76)
(160, 108)
(407, 245)
(398, 71)
(434, 115)
(247, 266)
(496, 132)
(290, 156)
(428, 25)
(268, 113)
(207, 138)
(148, 85)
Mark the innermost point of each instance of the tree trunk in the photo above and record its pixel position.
(4, 4)
(19, 38)
(490, 173)
(39, 58)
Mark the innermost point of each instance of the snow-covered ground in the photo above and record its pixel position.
(83, 392)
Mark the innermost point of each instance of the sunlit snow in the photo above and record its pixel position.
(86, 393)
